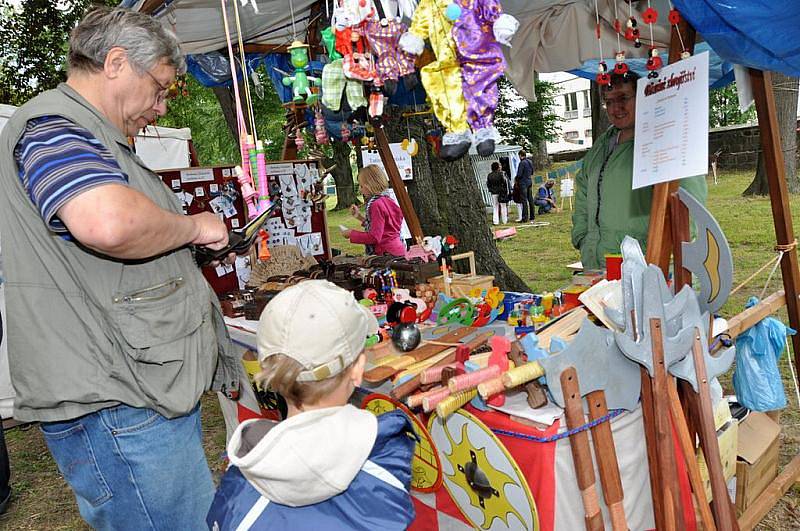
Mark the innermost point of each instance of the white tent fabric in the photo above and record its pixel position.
(163, 148)
(6, 390)
(554, 35)
(200, 28)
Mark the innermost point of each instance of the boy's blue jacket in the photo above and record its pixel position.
(324, 470)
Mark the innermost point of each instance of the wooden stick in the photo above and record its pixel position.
(778, 195)
(664, 444)
(774, 491)
(690, 458)
(607, 463)
(648, 419)
(581, 454)
(721, 505)
(403, 199)
(749, 317)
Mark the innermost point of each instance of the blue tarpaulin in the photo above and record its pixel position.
(762, 34)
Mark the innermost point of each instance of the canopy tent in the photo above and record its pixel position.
(758, 34)
(164, 148)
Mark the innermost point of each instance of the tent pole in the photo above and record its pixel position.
(397, 184)
(778, 194)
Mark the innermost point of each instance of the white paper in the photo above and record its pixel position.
(310, 244)
(303, 217)
(176, 184)
(517, 404)
(288, 186)
(223, 269)
(671, 140)
(279, 169)
(401, 158)
(744, 89)
(303, 178)
(226, 172)
(235, 223)
(567, 188)
(185, 197)
(274, 224)
(243, 270)
(213, 188)
(199, 192)
(197, 175)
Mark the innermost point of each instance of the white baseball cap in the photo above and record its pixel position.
(317, 324)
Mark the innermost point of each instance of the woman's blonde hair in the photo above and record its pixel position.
(372, 180)
(279, 374)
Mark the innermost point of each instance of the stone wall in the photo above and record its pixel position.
(739, 146)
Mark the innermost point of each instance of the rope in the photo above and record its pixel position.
(557, 437)
(781, 250)
(239, 117)
(245, 77)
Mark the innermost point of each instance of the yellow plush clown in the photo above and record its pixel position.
(441, 78)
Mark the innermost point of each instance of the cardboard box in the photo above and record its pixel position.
(757, 458)
(727, 437)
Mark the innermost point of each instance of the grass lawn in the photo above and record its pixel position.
(42, 500)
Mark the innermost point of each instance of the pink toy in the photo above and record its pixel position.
(249, 195)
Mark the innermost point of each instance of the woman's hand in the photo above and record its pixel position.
(346, 233)
(354, 211)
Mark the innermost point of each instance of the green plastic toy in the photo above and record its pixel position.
(300, 81)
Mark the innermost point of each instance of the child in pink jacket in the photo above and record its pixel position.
(381, 234)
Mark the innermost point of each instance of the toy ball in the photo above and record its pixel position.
(406, 337)
(453, 11)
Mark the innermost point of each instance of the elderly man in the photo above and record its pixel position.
(606, 207)
(113, 332)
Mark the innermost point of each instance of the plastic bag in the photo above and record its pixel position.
(757, 379)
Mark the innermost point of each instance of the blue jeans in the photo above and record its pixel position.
(134, 469)
(544, 206)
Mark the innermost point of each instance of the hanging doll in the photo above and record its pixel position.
(441, 78)
(300, 81)
(478, 32)
(334, 82)
(349, 22)
(383, 35)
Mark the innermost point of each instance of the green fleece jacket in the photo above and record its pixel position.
(604, 215)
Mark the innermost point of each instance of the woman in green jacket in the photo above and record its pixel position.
(606, 207)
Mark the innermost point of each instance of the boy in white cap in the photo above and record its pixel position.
(329, 465)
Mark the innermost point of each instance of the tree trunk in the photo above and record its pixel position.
(343, 176)
(448, 201)
(539, 155)
(600, 122)
(784, 88)
(228, 105)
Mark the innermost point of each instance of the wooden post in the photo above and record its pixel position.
(779, 195)
(397, 184)
(659, 238)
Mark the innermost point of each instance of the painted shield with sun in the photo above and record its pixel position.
(426, 470)
(481, 476)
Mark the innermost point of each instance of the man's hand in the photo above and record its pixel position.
(211, 231)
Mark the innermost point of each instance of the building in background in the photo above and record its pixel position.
(573, 105)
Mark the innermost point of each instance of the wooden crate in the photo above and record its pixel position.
(459, 285)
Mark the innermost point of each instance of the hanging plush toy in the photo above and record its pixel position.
(300, 81)
(442, 77)
(383, 35)
(478, 30)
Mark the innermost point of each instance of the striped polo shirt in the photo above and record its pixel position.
(58, 160)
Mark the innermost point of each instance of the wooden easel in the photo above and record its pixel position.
(669, 225)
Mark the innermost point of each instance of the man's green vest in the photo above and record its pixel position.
(86, 331)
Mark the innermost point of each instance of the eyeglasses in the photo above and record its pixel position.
(620, 101)
(163, 93)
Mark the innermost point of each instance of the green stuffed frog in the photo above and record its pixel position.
(300, 81)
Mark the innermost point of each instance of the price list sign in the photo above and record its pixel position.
(671, 136)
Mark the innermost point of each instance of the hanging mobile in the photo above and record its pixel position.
(675, 19)
(654, 62)
(602, 78)
(620, 67)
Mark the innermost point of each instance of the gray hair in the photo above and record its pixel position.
(145, 40)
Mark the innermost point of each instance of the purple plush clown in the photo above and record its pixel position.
(478, 32)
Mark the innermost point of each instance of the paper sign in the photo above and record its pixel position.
(401, 158)
(176, 184)
(197, 175)
(199, 192)
(567, 188)
(671, 140)
(279, 169)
